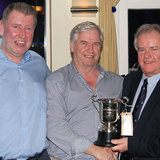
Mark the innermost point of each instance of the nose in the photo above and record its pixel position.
(90, 47)
(22, 32)
(147, 53)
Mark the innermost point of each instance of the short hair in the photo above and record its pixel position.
(22, 7)
(82, 27)
(145, 28)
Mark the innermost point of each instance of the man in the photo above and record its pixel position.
(22, 88)
(73, 121)
(145, 143)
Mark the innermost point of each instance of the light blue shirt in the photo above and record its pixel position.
(152, 81)
(72, 120)
(22, 106)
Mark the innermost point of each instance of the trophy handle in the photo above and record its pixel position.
(124, 101)
(100, 107)
(93, 100)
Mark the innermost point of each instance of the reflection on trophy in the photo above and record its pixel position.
(108, 111)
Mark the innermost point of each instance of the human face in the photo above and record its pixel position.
(17, 35)
(86, 50)
(148, 47)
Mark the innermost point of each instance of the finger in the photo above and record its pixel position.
(115, 148)
(115, 141)
(114, 156)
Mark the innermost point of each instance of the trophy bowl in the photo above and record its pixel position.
(108, 112)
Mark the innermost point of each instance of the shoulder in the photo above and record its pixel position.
(130, 84)
(58, 79)
(113, 76)
(35, 58)
(35, 55)
(38, 61)
(133, 76)
(59, 75)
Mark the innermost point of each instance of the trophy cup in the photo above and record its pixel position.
(108, 112)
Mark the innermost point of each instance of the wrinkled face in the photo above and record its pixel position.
(86, 50)
(17, 35)
(148, 47)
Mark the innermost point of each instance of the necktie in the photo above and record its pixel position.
(139, 103)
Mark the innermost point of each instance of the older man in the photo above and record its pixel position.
(145, 143)
(72, 120)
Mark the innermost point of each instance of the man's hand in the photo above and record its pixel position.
(101, 153)
(121, 145)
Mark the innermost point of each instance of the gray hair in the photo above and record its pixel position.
(145, 28)
(22, 7)
(82, 27)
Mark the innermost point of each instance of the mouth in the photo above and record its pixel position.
(89, 56)
(148, 62)
(20, 43)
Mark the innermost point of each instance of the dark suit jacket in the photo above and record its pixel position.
(145, 142)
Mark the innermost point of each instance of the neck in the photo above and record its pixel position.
(90, 75)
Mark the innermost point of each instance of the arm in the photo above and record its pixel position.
(59, 131)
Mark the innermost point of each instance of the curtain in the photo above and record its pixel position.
(108, 58)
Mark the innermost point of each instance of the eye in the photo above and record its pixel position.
(153, 49)
(96, 45)
(28, 28)
(15, 26)
(140, 50)
(83, 43)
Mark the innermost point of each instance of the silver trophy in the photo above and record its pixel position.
(108, 112)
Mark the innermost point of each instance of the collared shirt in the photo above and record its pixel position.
(152, 81)
(72, 119)
(22, 106)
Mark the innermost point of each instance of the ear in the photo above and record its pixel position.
(71, 47)
(1, 28)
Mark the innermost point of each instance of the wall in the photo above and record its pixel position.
(62, 21)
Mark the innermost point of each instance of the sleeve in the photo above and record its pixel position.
(144, 146)
(59, 131)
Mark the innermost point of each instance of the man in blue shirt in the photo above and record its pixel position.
(22, 88)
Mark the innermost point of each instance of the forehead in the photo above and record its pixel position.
(149, 38)
(151, 34)
(17, 16)
(91, 34)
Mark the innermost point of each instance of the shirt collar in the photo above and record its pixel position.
(2, 55)
(73, 71)
(27, 56)
(153, 79)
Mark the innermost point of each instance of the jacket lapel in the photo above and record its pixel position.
(132, 88)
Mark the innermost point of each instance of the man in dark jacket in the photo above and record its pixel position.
(145, 142)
